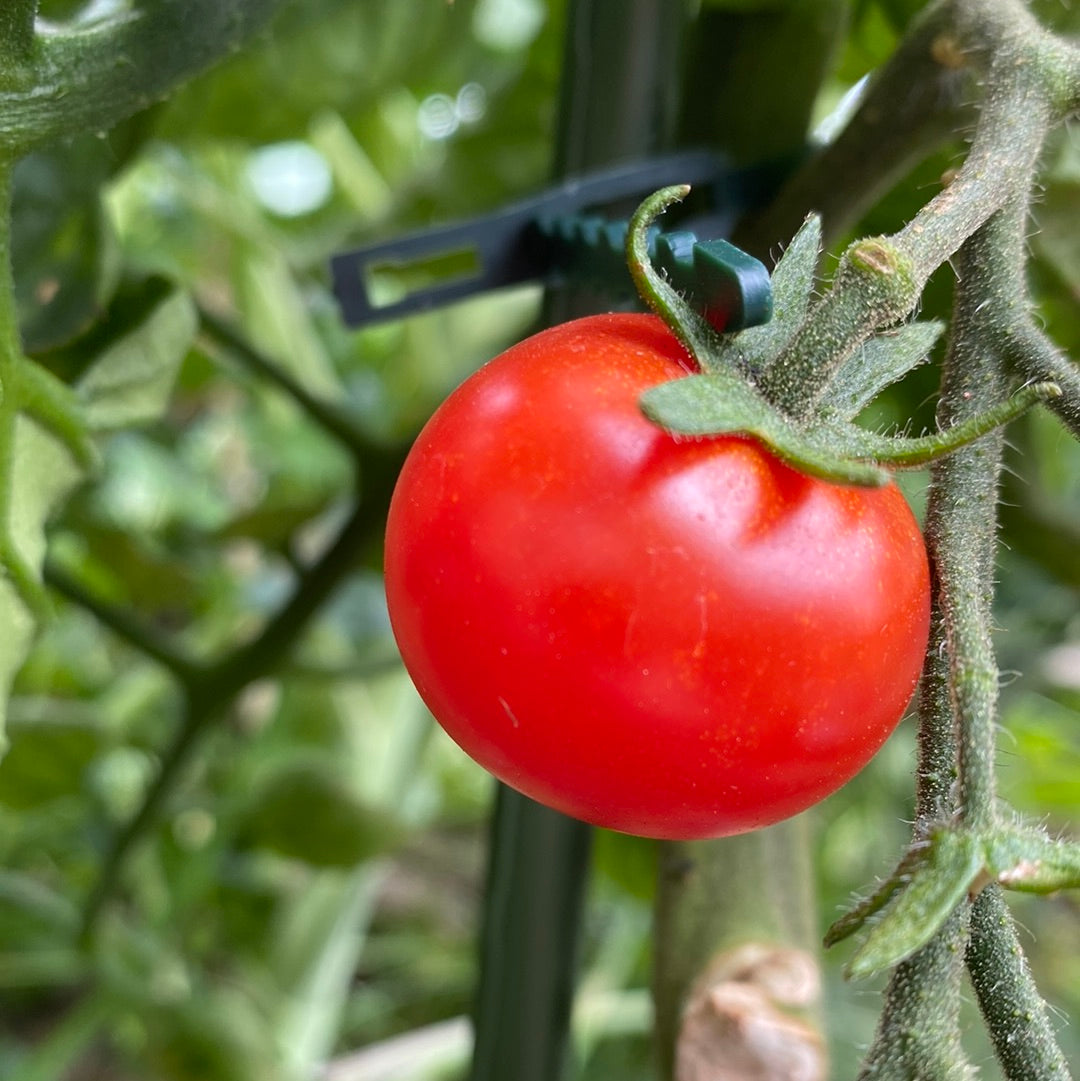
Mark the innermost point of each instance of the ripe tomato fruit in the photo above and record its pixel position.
(669, 637)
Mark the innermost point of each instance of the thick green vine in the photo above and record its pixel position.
(88, 77)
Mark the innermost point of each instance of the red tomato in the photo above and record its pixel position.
(670, 637)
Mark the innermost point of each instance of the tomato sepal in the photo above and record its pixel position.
(723, 404)
(703, 342)
(877, 364)
(900, 452)
(1030, 862)
(753, 349)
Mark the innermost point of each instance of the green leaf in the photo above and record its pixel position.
(853, 920)
(40, 904)
(128, 567)
(952, 862)
(47, 760)
(877, 364)
(42, 474)
(272, 301)
(335, 54)
(148, 335)
(792, 283)
(63, 251)
(304, 811)
(722, 403)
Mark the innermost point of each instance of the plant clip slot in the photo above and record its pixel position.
(393, 281)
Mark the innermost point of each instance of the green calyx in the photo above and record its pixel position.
(730, 394)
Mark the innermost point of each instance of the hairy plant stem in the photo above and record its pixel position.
(958, 700)
(990, 314)
(918, 1034)
(935, 774)
(961, 520)
(979, 221)
(1034, 356)
(1015, 1013)
(879, 282)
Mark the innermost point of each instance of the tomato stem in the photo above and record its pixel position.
(958, 701)
(1034, 356)
(961, 517)
(978, 223)
(879, 282)
(1015, 1013)
(913, 453)
(693, 330)
(70, 80)
(918, 1032)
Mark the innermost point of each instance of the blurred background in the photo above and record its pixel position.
(306, 902)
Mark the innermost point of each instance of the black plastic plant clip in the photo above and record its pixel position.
(730, 288)
(549, 238)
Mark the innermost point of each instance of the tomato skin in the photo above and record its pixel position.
(674, 638)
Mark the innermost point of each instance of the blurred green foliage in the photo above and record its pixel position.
(312, 886)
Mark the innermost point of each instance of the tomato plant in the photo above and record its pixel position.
(671, 637)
